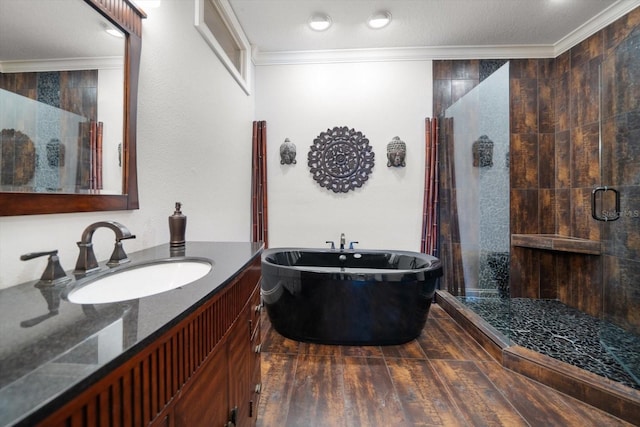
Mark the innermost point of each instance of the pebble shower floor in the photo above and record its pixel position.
(564, 333)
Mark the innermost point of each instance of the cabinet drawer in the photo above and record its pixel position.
(256, 306)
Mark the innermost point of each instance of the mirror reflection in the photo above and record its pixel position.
(61, 98)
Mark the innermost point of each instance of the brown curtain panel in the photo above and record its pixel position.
(259, 217)
(430, 201)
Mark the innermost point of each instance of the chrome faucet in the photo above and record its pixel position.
(87, 262)
(342, 241)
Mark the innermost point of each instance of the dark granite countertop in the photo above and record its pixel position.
(46, 360)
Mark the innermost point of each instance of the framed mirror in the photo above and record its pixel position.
(68, 121)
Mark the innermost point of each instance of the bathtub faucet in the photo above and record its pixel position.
(342, 241)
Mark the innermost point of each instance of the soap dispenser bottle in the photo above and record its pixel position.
(177, 227)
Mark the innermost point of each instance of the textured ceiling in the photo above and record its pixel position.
(42, 30)
(280, 25)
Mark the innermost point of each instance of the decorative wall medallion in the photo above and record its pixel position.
(287, 152)
(396, 152)
(341, 159)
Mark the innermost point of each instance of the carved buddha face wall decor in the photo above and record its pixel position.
(287, 152)
(396, 152)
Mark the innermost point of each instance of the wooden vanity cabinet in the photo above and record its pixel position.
(223, 392)
(204, 371)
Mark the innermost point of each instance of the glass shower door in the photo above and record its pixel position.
(480, 167)
(616, 204)
(620, 237)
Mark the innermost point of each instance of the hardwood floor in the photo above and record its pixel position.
(443, 378)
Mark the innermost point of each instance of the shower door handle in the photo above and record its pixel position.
(606, 215)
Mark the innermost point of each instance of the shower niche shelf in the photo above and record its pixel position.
(555, 242)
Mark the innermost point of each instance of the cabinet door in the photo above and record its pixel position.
(241, 369)
(206, 401)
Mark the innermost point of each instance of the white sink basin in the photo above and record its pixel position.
(139, 281)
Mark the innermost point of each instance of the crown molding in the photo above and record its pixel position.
(102, 63)
(401, 54)
(608, 16)
(597, 23)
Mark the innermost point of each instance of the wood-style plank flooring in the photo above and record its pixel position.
(443, 378)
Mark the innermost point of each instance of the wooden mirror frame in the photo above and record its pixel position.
(128, 18)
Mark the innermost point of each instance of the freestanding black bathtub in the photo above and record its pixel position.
(350, 297)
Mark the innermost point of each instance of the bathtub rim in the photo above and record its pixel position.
(435, 263)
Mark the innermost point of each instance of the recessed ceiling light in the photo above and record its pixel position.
(379, 20)
(319, 22)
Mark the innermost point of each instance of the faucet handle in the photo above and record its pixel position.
(54, 273)
(119, 256)
(333, 245)
(352, 243)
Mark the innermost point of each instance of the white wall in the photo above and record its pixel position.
(380, 99)
(194, 146)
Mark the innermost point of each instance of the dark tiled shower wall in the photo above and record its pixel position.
(76, 91)
(555, 164)
(72, 91)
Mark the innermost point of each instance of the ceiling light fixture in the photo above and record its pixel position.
(319, 22)
(379, 20)
(112, 31)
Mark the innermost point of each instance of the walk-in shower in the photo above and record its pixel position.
(478, 178)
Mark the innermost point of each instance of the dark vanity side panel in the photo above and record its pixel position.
(143, 389)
